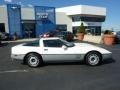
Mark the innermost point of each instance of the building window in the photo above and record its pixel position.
(87, 18)
(2, 27)
(61, 27)
(93, 19)
(92, 30)
(76, 18)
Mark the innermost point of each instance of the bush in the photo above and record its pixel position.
(81, 29)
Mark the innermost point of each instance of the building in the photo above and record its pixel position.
(26, 21)
(71, 18)
(33, 21)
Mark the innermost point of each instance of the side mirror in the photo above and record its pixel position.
(64, 47)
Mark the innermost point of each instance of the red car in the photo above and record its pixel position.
(48, 34)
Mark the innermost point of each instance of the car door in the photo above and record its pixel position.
(54, 50)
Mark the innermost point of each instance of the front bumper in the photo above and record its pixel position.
(107, 56)
(17, 56)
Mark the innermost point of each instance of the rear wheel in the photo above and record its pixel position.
(93, 58)
(34, 60)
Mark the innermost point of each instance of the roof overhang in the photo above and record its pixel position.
(83, 10)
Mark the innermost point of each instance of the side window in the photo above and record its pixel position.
(34, 43)
(52, 43)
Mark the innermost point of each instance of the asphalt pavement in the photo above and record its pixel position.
(59, 76)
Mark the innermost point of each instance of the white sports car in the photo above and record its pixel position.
(55, 49)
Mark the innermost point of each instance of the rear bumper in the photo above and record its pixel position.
(17, 56)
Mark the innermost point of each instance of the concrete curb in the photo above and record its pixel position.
(87, 38)
(21, 40)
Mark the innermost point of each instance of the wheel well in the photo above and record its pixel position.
(95, 52)
(24, 60)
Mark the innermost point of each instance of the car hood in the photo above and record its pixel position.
(85, 47)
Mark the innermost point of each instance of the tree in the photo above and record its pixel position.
(81, 28)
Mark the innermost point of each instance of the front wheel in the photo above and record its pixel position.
(33, 60)
(93, 58)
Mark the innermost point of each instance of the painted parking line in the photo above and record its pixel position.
(13, 71)
(22, 71)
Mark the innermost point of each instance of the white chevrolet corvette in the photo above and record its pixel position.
(55, 49)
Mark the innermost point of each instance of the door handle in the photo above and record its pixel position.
(45, 49)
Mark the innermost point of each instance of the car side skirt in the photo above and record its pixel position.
(62, 57)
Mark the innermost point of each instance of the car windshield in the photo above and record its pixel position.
(68, 44)
(118, 33)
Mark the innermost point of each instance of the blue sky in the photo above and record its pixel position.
(113, 6)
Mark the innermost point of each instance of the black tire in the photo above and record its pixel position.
(34, 60)
(93, 58)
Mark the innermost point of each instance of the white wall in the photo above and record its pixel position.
(92, 10)
(4, 17)
(70, 10)
(27, 14)
(62, 18)
(83, 9)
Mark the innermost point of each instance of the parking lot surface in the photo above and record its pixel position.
(59, 76)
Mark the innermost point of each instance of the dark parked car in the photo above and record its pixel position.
(65, 35)
(4, 36)
(118, 37)
(0, 41)
(61, 34)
